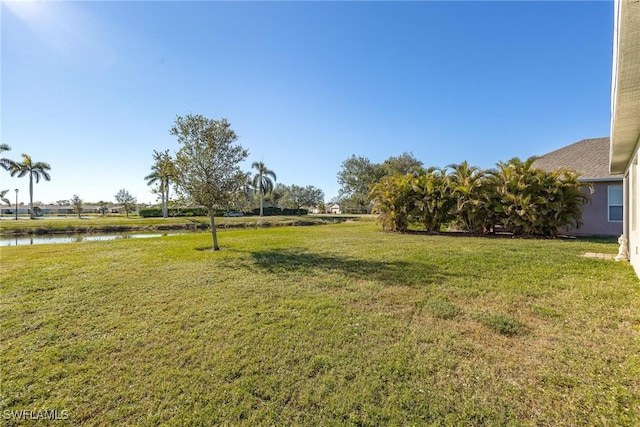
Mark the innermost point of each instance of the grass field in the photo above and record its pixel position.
(329, 325)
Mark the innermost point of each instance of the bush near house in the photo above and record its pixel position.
(515, 198)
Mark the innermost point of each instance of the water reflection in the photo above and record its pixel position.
(75, 238)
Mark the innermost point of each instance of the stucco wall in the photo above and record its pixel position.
(632, 219)
(595, 214)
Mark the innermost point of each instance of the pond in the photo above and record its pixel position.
(76, 238)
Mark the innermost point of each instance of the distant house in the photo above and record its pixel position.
(602, 215)
(332, 208)
(11, 210)
(625, 119)
(57, 210)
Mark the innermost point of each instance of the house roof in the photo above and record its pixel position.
(589, 157)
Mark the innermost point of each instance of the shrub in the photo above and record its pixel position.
(273, 211)
(174, 212)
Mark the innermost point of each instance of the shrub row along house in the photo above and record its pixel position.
(515, 197)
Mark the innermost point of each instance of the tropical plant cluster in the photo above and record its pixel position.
(514, 197)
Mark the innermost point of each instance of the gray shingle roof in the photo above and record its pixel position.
(589, 157)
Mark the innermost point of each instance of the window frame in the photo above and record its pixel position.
(610, 205)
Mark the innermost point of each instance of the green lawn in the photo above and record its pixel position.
(325, 325)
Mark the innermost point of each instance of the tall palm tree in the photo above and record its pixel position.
(35, 170)
(262, 181)
(519, 189)
(433, 200)
(161, 172)
(394, 199)
(466, 182)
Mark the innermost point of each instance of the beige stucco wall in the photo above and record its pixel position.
(595, 214)
(632, 213)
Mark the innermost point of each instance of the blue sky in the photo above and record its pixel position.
(93, 87)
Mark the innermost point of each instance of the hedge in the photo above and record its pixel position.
(173, 212)
(272, 211)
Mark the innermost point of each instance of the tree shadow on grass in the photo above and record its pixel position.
(299, 261)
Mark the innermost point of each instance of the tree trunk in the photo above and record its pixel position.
(261, 190)
(261, 204)
(31, 215)
(166, 201)
(213, 230)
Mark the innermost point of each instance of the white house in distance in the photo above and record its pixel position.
(625, 118)
(65, 210)
(332, 208)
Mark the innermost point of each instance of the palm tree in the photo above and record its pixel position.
(466, 182)
(3, 197)
(262, 181)
(35, 170)
(5, 163)
(433, 201)
(161, 172)
(394, 200)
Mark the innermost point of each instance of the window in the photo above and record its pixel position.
(615, 203)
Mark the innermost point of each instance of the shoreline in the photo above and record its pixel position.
(76, 226)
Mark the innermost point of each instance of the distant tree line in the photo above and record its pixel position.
(207, 165)
(358, 174)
